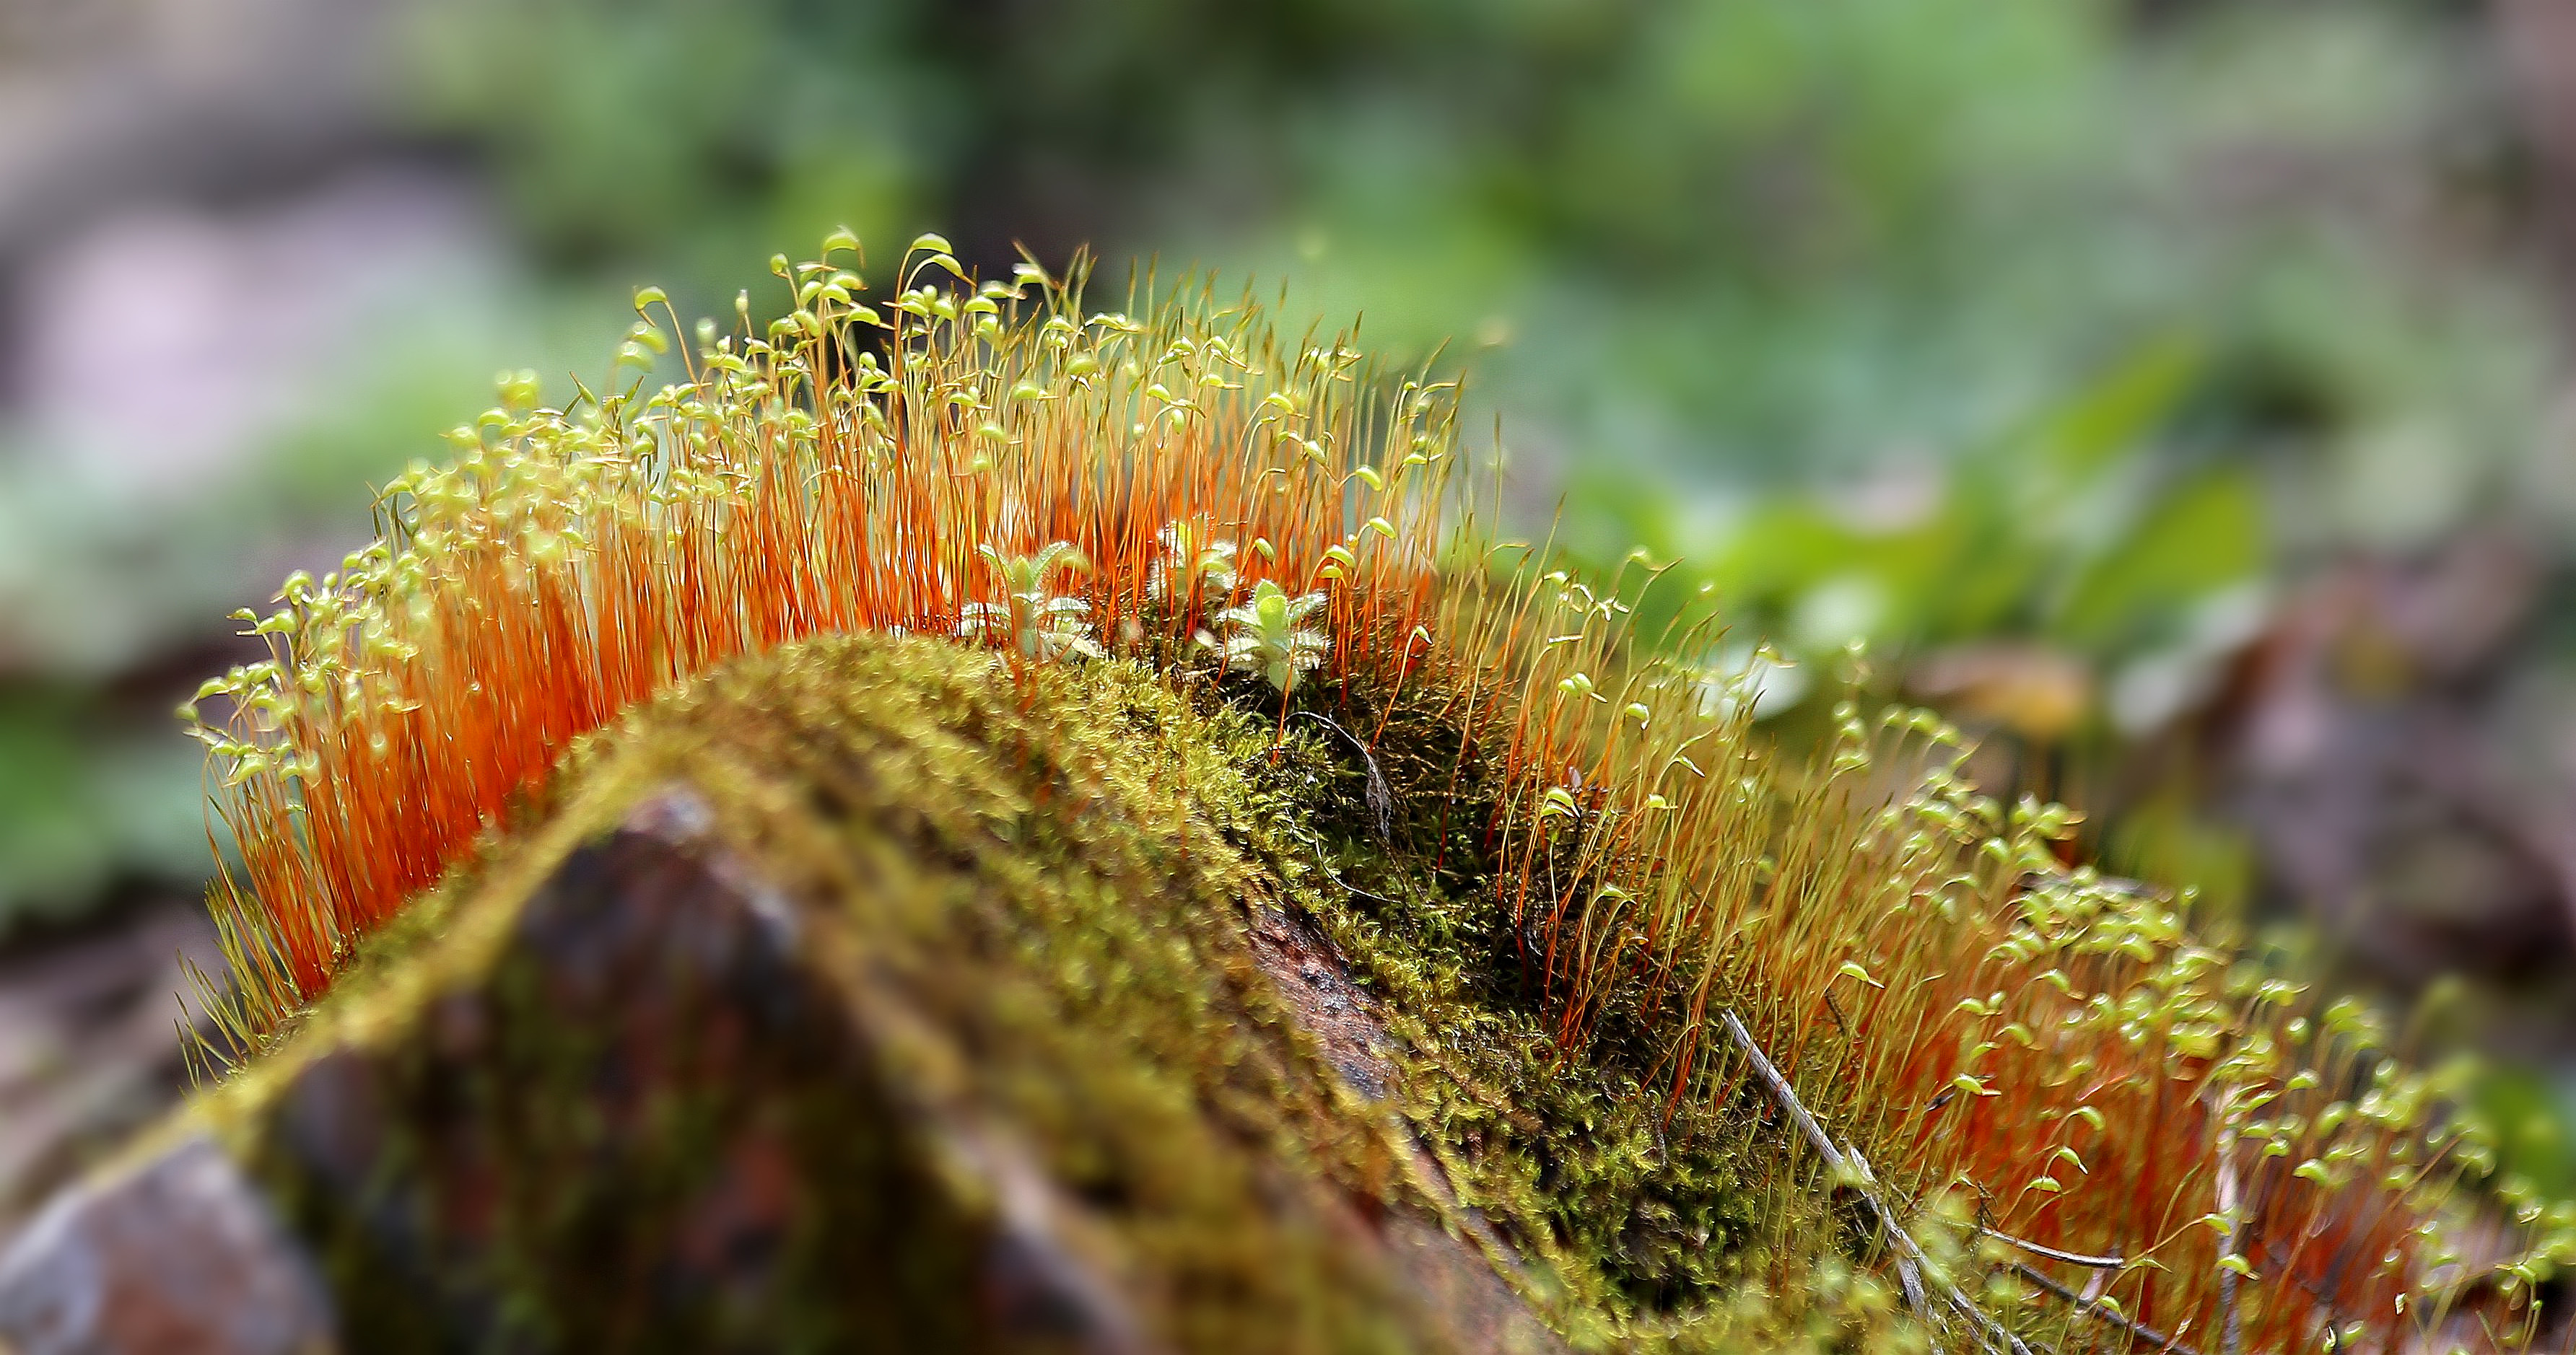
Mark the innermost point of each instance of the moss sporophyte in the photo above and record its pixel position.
(1587, 901)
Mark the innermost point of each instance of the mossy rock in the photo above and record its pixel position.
(866, 996)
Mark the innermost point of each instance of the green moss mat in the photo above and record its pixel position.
(1035, 904)
(1643, 1223)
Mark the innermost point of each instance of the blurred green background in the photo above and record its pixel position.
(2174, 391)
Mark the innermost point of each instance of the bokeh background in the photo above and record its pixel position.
(2177, 392)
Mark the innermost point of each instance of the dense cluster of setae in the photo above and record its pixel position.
(935, 467)
(2146, 1136)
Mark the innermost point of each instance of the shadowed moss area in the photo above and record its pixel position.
(1015, 917)
(1644, 1221)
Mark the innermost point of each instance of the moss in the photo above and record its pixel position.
(1033, 893)
(1650, 1221)
(1019, 872)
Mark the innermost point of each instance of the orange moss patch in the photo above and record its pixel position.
(851, 470)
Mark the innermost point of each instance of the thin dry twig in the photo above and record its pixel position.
(1324, 863)
(2231, 1330)
(2092, 1308)
(1847, 1163)
(2069, 1257)
(1381, 800)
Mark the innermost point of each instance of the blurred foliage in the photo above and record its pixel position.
(2059, 532)
(2532, 1116)
(86, 806)
(1707, 257)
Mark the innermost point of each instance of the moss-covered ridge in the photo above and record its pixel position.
(1222, 986)
(1075, 926)
(1025, 905)
(1568, 856)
